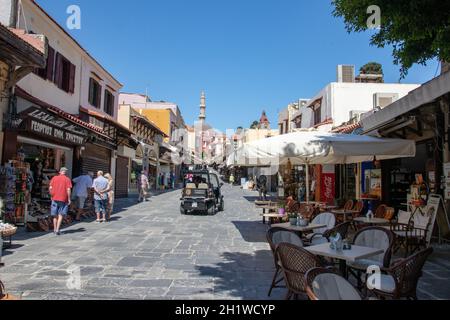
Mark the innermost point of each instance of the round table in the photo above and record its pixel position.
(345, 213)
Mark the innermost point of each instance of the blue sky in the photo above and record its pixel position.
(248, 55)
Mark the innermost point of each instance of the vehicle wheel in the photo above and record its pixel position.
(212, 210)
(183, 211)
(222, 206)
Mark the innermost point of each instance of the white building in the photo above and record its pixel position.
(339, 102)
(67, 111)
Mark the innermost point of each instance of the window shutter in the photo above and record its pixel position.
(58, 70)
(72, 78)
(91, 91)
(111, 105)
(99, 96)
(105, 102)
(50, 64)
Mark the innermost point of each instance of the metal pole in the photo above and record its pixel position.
(307, 183)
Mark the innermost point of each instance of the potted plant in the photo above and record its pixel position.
(282, 208)
(293, 218)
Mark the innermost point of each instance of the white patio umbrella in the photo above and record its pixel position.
(309, 148)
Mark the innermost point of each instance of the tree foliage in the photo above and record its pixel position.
(254, 125)
(371, 68)
(418, 30)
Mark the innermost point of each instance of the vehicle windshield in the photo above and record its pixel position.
(196, 178)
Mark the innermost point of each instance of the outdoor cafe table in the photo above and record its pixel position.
(372, 221)
(344, 213)
(272, 217)
(344, 256)
(310, 227)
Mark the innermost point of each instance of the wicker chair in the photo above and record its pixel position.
(401, 279)
(275, 236)
(359, 207)
(319, 238)
(308, 211)
(328, 284)
(325, 218)
(349, 205)
(413, 231)
(373, 237)
(295, 263)
(381, 211)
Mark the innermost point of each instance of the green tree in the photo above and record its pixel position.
(418, 30)
(254, 125)
(372, 68)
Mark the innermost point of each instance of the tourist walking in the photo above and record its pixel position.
(143, 187)
(60, 192)
(82, 185)
(111, 196)
(100, 186)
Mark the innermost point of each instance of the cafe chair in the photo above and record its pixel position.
(372, 237)
(328, 284)
(347, 207)
(412, 231)
(401, 279)
(381, 211)
(295, 263)
(325, 218)
(319, 238)
(359, 208)
(275, 236)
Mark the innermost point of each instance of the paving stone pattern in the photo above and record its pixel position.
(151, 251)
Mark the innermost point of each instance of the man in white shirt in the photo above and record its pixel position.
(81, 192)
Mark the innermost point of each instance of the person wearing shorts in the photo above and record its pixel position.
(80, 192)
(60, 192)
(100, 187)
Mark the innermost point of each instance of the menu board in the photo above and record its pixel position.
(447, 180)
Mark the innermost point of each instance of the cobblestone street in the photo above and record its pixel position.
(151, 251)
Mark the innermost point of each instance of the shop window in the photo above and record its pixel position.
(64, 76)
(109, 103)
(95, 93)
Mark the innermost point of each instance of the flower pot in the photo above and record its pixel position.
(281, 211)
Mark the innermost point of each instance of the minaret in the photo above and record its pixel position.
(202, 116)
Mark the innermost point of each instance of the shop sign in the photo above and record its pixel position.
(328, 187)
(46, 124)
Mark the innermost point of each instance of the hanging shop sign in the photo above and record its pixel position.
(43, 123)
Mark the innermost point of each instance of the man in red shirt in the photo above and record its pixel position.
(60, 191)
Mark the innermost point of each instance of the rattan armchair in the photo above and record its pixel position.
(275, 236)
(328, 284)
(374, 237)
(401, 279)
(295, 263)
(413, 234)
(318, 238)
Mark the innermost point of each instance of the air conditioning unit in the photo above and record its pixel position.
(382, 100)
(346, 73)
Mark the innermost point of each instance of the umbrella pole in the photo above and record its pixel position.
(307, 183)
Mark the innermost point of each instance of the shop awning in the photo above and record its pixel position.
(314, 147)
(60, 113)
(425, 94)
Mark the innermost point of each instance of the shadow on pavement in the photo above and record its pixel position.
(243, 276)
(252, 231)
